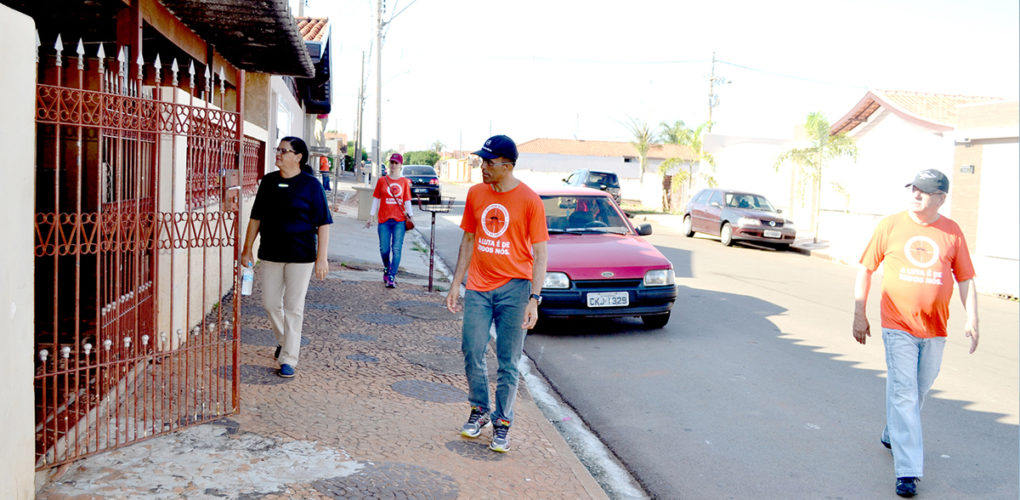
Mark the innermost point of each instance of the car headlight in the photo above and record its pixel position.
(748, 221)
(556, 280)
(660, 277)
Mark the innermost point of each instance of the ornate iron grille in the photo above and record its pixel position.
(136, 320)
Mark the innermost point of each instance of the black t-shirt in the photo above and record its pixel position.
(290, 212)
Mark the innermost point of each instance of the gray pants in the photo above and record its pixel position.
(284, 285)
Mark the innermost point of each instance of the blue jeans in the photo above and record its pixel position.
(391, 242)
(912, 363)
(503, 307)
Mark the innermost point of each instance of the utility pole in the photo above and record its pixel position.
(377, 164)
(713, 98)
(357, 134)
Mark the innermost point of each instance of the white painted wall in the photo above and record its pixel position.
(17, 264)
(891, 151)
(997, 248)
(543, 169)
(288, 117)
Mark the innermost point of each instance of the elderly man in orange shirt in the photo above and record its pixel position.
(503, 253)
(923, 253)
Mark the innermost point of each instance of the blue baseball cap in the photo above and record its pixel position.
(498, 146)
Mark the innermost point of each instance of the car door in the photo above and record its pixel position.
(698, 213)
(712, 216)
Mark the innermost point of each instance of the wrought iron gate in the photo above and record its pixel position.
(137, 227)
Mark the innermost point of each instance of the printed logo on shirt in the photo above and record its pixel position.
(396, 189)
(495, 220)
(921, 251)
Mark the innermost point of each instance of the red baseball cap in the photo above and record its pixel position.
(397, 158)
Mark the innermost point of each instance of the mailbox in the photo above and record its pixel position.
(230, 190)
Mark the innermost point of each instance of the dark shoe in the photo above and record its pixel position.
(476, 421)
(906, 486)
(886, 444)
(390, 283)
(276, 355)
(500, 442)
(286, 371)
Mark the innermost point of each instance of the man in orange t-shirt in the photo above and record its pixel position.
(922, 253)
(503, 253)
(324, 172)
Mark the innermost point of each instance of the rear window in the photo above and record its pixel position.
(606, 178)
(419, 170)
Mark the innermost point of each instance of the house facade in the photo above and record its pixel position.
(152, 122)
(897, 133)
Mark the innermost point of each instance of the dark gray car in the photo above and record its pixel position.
(603, 181)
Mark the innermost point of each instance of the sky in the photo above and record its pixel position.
(458, 71)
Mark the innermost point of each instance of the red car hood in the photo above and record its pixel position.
(587, 256)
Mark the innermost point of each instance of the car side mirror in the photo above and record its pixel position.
(644, 229)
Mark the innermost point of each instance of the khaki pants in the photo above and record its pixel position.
(284, 285)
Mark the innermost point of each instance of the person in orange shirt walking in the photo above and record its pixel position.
(923, 253)
(503, 253)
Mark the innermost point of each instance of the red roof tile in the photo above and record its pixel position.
(312, 28)
(936, 111)
(601, 148)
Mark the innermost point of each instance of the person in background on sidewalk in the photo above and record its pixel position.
(503, 253)
(324, 172)
(923, 252)
(291, 213)
(391, 200)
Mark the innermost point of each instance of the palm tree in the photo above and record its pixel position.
(678, 133)
(642, 141)
(438, 146)
(811, 160)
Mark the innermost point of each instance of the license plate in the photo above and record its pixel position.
(608, 299)
(420, 190)
(771, 233)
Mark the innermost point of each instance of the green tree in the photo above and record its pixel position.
(438, 146)
(673, 134)
(421, 158)
(642, 141)
(810, 161)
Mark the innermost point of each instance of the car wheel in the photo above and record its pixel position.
(656, 320)
(688, 227)
(726, 235)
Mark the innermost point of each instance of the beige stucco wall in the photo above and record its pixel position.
(17, 130)
(257, 99)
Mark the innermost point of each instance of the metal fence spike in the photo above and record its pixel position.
(59, 47)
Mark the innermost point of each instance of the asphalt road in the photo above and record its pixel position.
(755, 389)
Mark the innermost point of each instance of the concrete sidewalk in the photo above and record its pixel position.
(374, 411)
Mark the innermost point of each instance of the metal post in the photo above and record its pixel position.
(377, 164)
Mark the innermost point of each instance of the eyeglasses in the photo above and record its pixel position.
(490, 164)
(283, 151)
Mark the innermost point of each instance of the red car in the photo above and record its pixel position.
(738, 215)
(599, 264)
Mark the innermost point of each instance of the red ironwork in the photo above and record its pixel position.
(136, 321)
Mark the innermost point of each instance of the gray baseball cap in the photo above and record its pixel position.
(930, 181)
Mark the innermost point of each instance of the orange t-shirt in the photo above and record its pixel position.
(386, 189)
(323, 164)
(505, 226)
(920, 263)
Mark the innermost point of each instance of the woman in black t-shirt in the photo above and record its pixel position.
(291, 213)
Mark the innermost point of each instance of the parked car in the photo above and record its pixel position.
(603, 181)
(424, 182)
(599, 264)
(738, 215)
